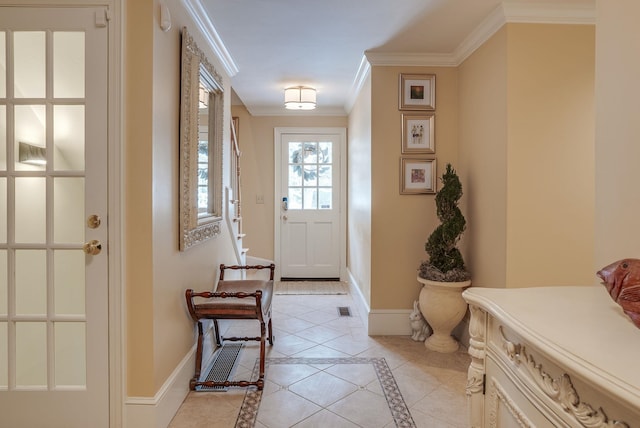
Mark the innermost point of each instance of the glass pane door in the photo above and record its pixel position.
(53, 284)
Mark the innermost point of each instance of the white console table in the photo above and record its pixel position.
(552, 357)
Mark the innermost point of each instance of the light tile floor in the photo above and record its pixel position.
(341, 395)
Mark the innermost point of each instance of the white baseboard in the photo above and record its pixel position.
(393, 322)
(361, 304)
(157, 411)
(382, 322)
(389, 322)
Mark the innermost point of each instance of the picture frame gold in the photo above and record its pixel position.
(417, 92)
(417, 176)
(418, 133)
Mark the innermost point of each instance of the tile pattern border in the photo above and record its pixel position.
(397, 406)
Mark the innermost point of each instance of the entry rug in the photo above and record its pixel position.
(311, 287)
(398, 408)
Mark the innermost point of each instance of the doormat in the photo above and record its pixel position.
(311, 287)
(398, 409)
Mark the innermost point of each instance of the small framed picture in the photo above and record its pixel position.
(417, 176)
(418, 134)
(417, 91)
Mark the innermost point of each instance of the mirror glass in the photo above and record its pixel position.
(201, 117)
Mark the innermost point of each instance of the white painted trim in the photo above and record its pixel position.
(483, 32)
(529, 13)
(380, 322)
(389, 322)
(278, 132)
(361, 303)
(200, 16)
(116, 195)
(358, 82)
(549, 13)
(157, 411)
(232, 230)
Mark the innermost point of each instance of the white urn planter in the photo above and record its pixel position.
(443, 307)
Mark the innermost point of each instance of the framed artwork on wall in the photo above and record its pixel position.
(418, 134)
(417, 176)
(417, 91)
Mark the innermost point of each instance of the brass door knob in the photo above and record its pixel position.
(92, 247)
(94, 221)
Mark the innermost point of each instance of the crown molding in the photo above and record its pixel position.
(507, 12)
(523, 13)
(549, 13)
(479, 35)
(358, 82)
(197, 12)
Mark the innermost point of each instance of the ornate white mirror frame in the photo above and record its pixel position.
(201, 118)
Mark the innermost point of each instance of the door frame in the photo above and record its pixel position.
(277, 139)
(116, 141)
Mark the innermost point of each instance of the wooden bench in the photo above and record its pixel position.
(239, 299)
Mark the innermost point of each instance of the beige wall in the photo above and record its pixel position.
(550, 156)
(359, 180)
(159, 330)
(400, 224)
(138, 200)
(483, 160)
(617, 146)
(257, 162)
(527, 109)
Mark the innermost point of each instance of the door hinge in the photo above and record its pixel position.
(103, 16)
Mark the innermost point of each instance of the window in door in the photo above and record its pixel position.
(310, 184)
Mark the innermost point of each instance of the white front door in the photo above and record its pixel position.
(54, 369)
(310, 193)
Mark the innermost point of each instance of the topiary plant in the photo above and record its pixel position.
(445, 260)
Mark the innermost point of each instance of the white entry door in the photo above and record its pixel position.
(310, 193)
(54, 369)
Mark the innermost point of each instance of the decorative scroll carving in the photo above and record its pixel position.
(474, 385)
(201, 135)
(477, 327)
(475, 374)
(497, 393)
(560, 389)
(512, 350)
(477, 343)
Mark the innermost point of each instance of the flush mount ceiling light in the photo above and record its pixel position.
(30, 154)
(300, 98)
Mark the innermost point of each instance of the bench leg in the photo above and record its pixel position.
(217, 329)
(196, 376)
(263, 336)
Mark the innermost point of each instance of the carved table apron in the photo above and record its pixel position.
(552, 357)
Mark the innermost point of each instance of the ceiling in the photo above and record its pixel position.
(274, 44)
